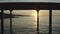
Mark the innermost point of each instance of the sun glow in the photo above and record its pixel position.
(35, 14)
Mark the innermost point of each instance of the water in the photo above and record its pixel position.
(27, 25)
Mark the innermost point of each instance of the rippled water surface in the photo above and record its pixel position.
(27, 25)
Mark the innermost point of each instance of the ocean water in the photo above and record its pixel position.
(27, 25)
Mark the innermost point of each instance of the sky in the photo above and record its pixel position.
(58, 1)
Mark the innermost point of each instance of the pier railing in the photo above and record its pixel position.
(28, 6)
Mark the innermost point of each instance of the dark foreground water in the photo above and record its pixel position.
(27, 25)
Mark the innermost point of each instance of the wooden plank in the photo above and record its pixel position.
(29, 6)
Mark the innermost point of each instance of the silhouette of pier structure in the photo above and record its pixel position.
(28, 6)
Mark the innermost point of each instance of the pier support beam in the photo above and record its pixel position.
(11, 22)
(50, 21)
(2, 22)
(37, 21)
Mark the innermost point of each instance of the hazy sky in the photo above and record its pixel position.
(30, 1)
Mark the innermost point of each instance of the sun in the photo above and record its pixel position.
(34, 14)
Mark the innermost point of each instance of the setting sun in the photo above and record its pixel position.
(34, 14)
